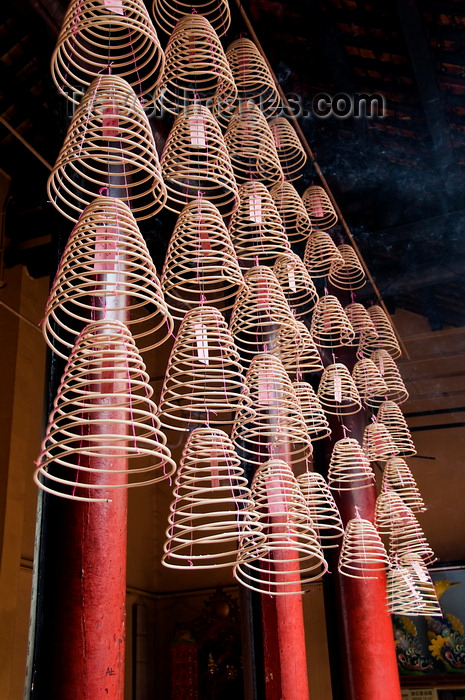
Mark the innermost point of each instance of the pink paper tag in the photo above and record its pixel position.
(317, 206)
(115, 6)
(106, 251)
(110, 120)
(263, 294)
(204, 238)
(266, 393)
(214, 471)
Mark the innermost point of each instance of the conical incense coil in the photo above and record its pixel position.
(391, 513)
(256, 228)
(276, 426)
(361, 323)
(369, 382)
(297, 284)
(289, 147)
(252, 76)
(351, 274)
(196, 69)
(103, 412)
(321, 254)
(403, 598)
(109, 146)
(362, 553)
(398, 477)
(392, 417)
(106, 268)
(99, 36)
(349, 467)
(167, 13)
(251, 147)
(293, 556)
(386, 336)
(211, 502)
(312, 411)
(377, 443)
(423, 584)
(390, 373)
(203, 381)
(330, 327)
(297, 351)
(322, 508)
(201, 263)
(260, 312)
(195, 162)
(408, 539)
(319, 207)
(337, 392)
(290, 208)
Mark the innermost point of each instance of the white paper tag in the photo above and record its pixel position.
(115, 6)
(197, 130)
(255, 208)
(291, 278)
(106, 250)
(202, 342)
(420, 572)
(337, 389)
(381, 365)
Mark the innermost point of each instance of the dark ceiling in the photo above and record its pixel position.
(398, 176)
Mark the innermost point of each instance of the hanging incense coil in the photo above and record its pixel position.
(389, 371)
(361, 323)
(251, 147)
(322, 508)
(211, 504)
(203, 381)
(290, 208)
(423, 584)
(377, 443)
(196, 69)
(369, 382)
(289, 147)
(105, 269)
(201, 263)
(256, 228)
(103, 411)
(386, 336)
(167, 13)
(115, 36)
(402, 596)
(392, 417)
(330, 327)
(319, 207)
(337, 392)
(297, 351)
(391, 513)
(252, 76)
(351, 274)
(398, 477)
(312, 411)
(276, 426)
(293, 556)
(195, 162)
(297, 284)
(321, 254)
(259, 314)
(362, 553)
(109, 146)
(407, 537)
(349, 467)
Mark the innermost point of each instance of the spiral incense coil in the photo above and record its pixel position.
(256, 228)
(293, 556)
(259, 314)
(362, 553)
(392, 417)
(319, 207)
(167, 13)
(330, 327)
(349, 467)
(106, 268)
(297, 351)
(398, 477)
(195, 162)
(321, 254)
(290, 208)
(276, 426)
(312, 411)
(386, 336)
(252, 76)
(289, 147)
(203, 381)
(377, 443)
(351, 274)
(297, 284)
(391, 513)
(403, 598)
(251, 147)
(387, 367)
(361, 323)
(212, 504)
(406, 536)
(369, 382)
(99, 36)
(201, 263)
(103, 412)
(424, 585)
(196, 69)
(337, 392)
(109, 146)
(322, 508)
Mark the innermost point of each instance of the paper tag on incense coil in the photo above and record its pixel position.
(420, 572)
(197, 130)
(202, 342)
(266, 393)
(291, 278)
(214, 470)
(317, 206)
(255, 208)
(115, 6)
(106, 250)
(337, 389)
(110, 120)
